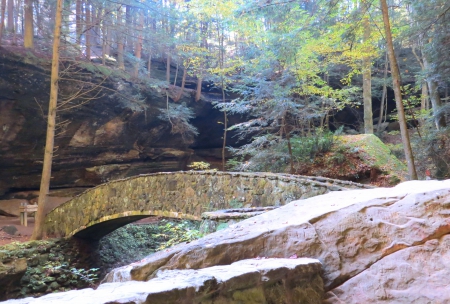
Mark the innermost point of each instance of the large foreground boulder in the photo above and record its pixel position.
(376, 245)
(248, 281)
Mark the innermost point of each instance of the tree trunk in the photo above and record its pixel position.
(288, 138)
(120, 47)
(198, 92)
(367, 84)
(78, 22)
(383, 94)
(16, 23)
(88, 31)
(225, 129)
(107, 37)
(138, 48)
(38, 232)
(39, 25)
(29, 28)
(97, 20)
(168, 61)
(176, 75)
(128, 25)
(10, 23)
(149, 65)
(225, 118)
(436, 103)
(103, 44)
(2, 19)
(398, 95)
(424, 98)
(183, 83)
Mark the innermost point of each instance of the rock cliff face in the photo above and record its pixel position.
(109, 137)
(385, 245)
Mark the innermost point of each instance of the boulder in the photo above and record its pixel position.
(10, 273)
(9, 229)
(247, 281)
(388, 241)
(417, 274)
(362, 158)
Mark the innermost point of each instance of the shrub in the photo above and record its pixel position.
(270, 153)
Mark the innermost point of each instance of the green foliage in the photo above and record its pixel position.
(234, 204)
(202, 166)
(178, 116)
(222, 226)
(89, 276)
(339, 156)
(52, 265)
(411, 104)
(270, 153)
(432, 149)
(307, 147)
(114, 249)
(173, 233)
(143, 240)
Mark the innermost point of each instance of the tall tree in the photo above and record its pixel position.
(88, 30)
(397, 91)
(78, 22)
(2, 18)
(28, 39)
(429, 35)
(435, 98)
(120, 39)
(138, 47)
(10, 24)
(367, 77)
(38, 231)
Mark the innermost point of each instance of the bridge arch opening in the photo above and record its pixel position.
(107, 224)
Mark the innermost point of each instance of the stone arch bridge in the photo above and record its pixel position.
(100, 210)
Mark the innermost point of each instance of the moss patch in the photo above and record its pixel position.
(363, 158)
(48, 266)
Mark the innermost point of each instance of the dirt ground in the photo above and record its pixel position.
(22, 234)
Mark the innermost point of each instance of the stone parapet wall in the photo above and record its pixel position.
(180, 195)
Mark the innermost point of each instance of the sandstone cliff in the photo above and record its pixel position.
(116, 134)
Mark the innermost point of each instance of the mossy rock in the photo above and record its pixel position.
(376, 154)
(361, 158)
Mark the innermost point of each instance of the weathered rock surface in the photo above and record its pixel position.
(247, 281)
(418, 274)
(11, 271)
(348, 232)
